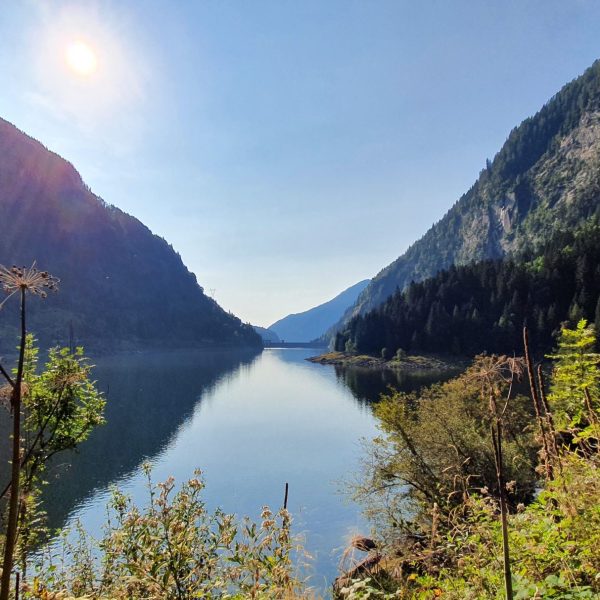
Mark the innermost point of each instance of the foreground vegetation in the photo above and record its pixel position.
(52, 409)
(172, 548)
(485, 486)
(436, 488)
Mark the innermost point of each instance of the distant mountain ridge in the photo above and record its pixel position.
(266, 334)
(546, 177)
(121, 285)
(313, 323)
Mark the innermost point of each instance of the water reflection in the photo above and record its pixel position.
(250, 422)
(367, 385)
(148, 396)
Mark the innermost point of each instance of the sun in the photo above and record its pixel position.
(81, 58)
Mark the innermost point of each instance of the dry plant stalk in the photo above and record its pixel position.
(540, 408)
(494, 372)
(18, 280)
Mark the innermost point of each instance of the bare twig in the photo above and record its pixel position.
(539, 409)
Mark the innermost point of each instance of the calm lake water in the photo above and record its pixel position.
(250, 422)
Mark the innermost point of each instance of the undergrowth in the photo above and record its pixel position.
(431, 466)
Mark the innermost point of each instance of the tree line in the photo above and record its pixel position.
(483, 306)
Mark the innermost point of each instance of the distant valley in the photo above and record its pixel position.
(266, 334)
(313, 323)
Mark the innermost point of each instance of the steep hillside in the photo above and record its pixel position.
(312, 324)
(266, 334)
(121, 286)
(545, 177)
(483, 306)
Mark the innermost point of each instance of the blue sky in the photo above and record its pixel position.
(286, 149)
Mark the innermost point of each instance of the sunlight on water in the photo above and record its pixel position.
(250, 424)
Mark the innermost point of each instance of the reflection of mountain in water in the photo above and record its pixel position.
(149, 396)
(367, 385)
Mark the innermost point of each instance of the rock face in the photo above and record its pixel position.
(121, 286)
(546, 177)
(312, 324)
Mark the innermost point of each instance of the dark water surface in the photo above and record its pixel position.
(250, 422)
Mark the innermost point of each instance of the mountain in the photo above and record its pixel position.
(545, 177)
(483, 306)
(266, 334)
(121, 285)
(312, 324)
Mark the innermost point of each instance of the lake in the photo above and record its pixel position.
(251, 422)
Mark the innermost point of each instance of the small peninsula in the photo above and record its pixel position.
(405, 363)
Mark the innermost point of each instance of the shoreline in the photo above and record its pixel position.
(409, 363)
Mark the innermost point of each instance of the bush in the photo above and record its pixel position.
(438, 449)
(401, 354)
(350, 347)
(444, 537)
(173, 548)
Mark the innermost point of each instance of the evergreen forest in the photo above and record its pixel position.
(483, 306)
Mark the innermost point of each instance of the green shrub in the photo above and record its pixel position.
(444, 537)
(173, 548)
(437, 449)
(575, 388)
(401, 354)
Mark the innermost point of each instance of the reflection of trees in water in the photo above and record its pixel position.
(149, 397)
(367, 385)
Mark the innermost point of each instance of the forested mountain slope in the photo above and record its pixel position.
(545, 177)
(483, 306)
(121, 286)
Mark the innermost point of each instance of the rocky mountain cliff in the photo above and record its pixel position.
(121, 286)
(546, 177)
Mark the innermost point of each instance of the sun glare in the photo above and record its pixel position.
(81, 59)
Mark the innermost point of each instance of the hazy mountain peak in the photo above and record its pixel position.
(313, 323)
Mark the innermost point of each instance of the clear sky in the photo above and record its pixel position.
(286, 149)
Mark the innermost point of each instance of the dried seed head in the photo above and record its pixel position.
(28, 279)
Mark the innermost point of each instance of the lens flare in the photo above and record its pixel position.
(81, 59)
